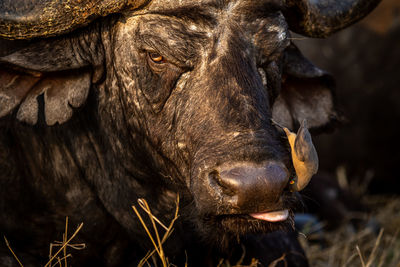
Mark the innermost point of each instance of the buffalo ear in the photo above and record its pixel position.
(306, 94)
(50, 68)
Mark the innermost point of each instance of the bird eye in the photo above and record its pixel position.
(156, 57)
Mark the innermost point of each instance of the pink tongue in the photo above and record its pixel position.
(273, 216)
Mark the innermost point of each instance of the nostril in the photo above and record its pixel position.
(217, 182)
(247, 187)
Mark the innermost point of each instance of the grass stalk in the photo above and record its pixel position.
(157, 241)
(374, 250)
(64, 245)
(15, 256)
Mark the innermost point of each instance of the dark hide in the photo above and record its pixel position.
(91, 122)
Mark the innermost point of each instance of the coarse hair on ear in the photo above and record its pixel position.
(55, 68)
(307, 93)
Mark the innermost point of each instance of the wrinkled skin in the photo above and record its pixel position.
(154, 130)
(231, 108)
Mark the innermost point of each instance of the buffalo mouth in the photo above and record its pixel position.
(225, 229)
(232, 226)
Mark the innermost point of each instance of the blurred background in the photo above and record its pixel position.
(365, 61)
(357, 191)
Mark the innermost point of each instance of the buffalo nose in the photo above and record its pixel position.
(251, 188)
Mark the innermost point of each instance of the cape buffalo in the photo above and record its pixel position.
(103, 102)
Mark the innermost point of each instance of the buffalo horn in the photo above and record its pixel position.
(26, 19)
(321, 18)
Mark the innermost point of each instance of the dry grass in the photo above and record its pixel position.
(155, 234)
(12, 252)
(60, 257)
(343, 247)
(347, 247)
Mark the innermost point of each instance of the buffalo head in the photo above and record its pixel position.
(184, 93)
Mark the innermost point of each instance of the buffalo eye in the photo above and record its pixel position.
(157, 62)
(159, 80)
(156, 57)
